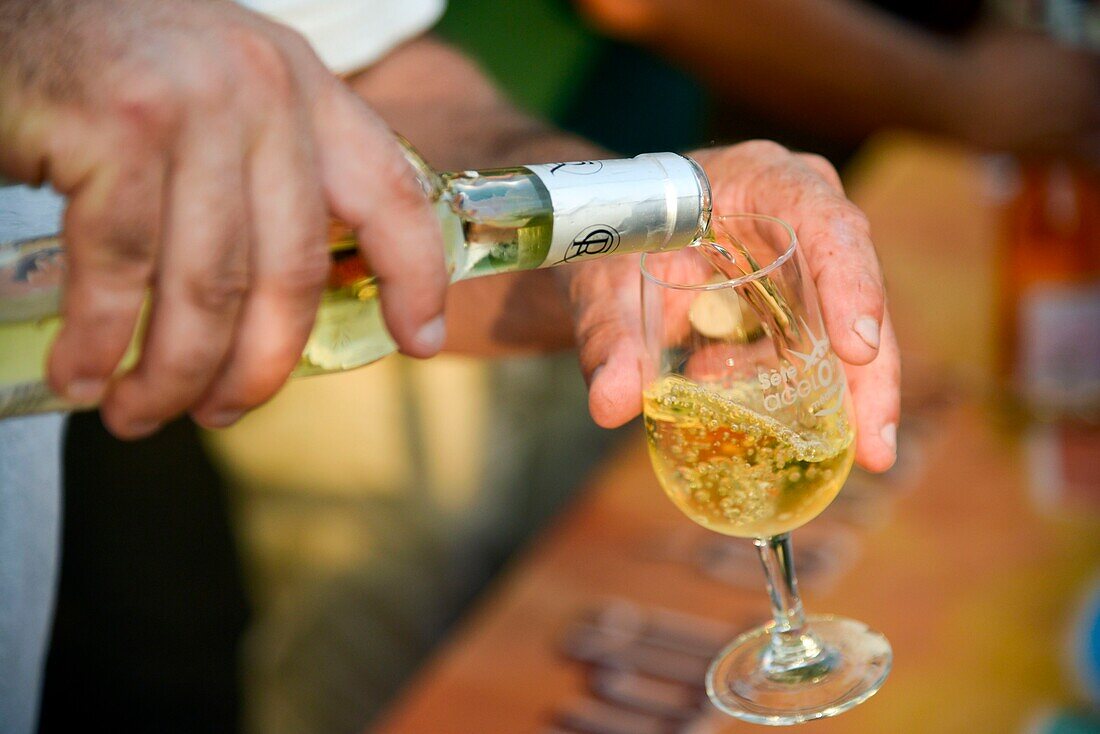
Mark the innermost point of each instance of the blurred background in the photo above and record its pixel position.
(293, 573)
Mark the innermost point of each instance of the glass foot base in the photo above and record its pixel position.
(854, 663)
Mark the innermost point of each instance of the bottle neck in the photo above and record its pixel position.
(655, 201)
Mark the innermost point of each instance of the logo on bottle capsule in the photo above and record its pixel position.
(594, 241)
(576, 168)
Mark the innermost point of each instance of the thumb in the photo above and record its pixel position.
(606, 302)
(615, 387)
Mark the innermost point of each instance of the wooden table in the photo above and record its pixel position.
(972, 569)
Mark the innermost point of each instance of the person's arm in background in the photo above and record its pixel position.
(847, 68)
(202, 147)
(448, 109)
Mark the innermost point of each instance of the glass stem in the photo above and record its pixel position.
(793, 645)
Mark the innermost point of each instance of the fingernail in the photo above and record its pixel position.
(223, 419)
(86, 391)
(432, 334)
(868, 330)
(889, 434)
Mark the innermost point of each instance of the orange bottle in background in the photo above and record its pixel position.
(1050, 292)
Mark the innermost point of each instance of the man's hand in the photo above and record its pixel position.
(805, 191)
(202, 148)
(522, 311)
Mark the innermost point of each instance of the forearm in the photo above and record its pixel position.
(453, 114)
(844, 65)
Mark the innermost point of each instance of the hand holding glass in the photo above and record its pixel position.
(750, 431)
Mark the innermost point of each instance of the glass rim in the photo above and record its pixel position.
(777, 262)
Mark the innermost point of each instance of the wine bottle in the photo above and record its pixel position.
(1050, 264)
(1050, 292)
(493, 221)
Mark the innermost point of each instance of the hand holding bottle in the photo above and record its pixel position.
(202, 161)
(201, 148)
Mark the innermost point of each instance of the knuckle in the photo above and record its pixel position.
(206, 84)
(855, 219)
(848, 226)
(590, 359)
(303, 272)
(125, 253)
(218, 293)
(767, 149)
(130, 268)
(262, 60)
(821, 165)
(402, 182)
(89, 315)
(105, 322)
(188, 364)
(84, 224)
(405, 189)
(149, 106)
(594, 332)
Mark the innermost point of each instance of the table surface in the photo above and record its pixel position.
(970, 556)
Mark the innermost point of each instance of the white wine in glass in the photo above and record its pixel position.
(737, 471)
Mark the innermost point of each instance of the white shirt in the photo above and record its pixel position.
(352, 34)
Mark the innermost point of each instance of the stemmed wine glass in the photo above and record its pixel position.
(750, 431)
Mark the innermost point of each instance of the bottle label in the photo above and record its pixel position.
(647, 203)
(27, 397)
(1060, 347)
(31, 273)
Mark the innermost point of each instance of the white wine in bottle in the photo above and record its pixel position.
(493, 221)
